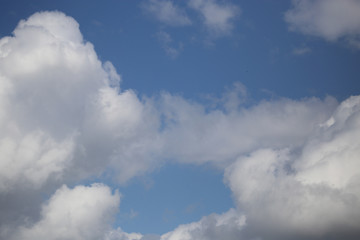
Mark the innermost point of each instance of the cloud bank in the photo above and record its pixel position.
(309, 195)
(292, 165)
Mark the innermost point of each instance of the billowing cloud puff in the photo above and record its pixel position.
(79, 213)
(314, 194)
(60, 106)
(329, 19)
(332, 156)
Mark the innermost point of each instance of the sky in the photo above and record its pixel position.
(179, 120)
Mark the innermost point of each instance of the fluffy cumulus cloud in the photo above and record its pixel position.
(60, 106)
(78, 213)
(292, 165)
(329, 19)
(308, 190)
(311, 194)
(63, 118)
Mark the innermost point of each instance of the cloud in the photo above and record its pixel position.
(308, 195)
(329, 19)
(198, 135)
(301, 51)
(290, 190)
(166, 12)
(292, 165)
(33, 158)
(166, 42)
(216, 226)
(218, 18)
(119, 234)
(331, 157)
(38, 68)
(78, 213)
(63, 119)
(61, 111)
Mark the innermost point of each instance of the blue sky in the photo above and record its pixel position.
(160, 119)
(258, 53)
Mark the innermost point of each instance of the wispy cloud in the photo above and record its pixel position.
(329, 19)
(167, 44)
(217, 17)
(301, 51)
(166, 12)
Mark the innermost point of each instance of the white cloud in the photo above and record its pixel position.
(329, 19)
(218, 18)
(32, 159)
(312, 195)
(38, 67)
(196, 135)
(216, 226)
(331, 157)
(119, 234)
(61, 110)
(167, 12)
(64, 118)
(81, 213)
